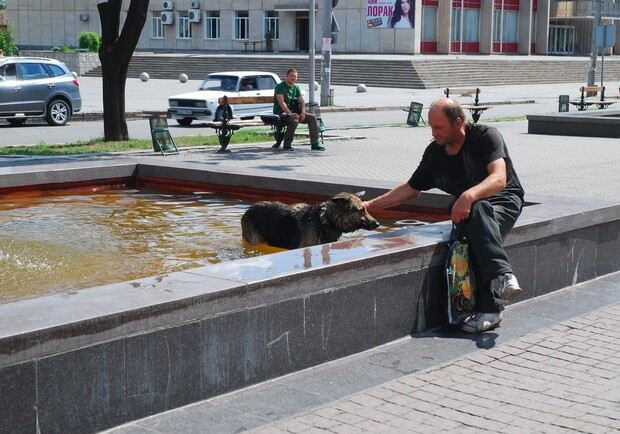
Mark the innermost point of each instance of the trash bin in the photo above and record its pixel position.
(330, 97)
(162, 139)
(315, 109)
(415, 114)
(564, 103)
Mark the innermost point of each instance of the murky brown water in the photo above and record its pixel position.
(63, 240)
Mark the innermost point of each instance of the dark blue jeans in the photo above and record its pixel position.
(489, 222)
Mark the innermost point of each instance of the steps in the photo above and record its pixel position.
(445, 73)
(417, 73)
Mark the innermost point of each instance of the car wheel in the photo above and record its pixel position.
(58, 113)
(219, 113)
(17, 121)
(185, 121)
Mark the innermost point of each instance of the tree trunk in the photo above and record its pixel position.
(115, 54)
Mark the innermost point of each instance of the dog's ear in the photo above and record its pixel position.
(360, 193)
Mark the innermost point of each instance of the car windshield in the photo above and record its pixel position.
(220, 82)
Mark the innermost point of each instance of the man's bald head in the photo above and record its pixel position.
(449, 107)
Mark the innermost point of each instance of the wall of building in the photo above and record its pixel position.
(35, 19)
(43, 24)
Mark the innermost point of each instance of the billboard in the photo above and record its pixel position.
(396, 14)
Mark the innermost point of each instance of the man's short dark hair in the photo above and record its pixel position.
(290, 70)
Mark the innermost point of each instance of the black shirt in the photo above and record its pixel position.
(455, 174)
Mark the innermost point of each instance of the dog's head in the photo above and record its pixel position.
(348, 213)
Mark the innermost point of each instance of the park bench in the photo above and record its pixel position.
(586, 99)
(476, 109)
(225, 125)
(252, 43)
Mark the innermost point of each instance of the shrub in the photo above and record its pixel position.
(90, 41)
(7, 41)
(63, 48)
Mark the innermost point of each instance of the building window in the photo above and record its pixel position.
(465, 30)
(184, 27)
(241, 25)
(429, 23)
(212, 24)
(157, 27)
(505, 26)
(272, 24)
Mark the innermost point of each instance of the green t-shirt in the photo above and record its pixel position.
(290, 94)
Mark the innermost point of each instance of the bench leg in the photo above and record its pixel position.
(224, 135)
(475, 115)
(278, 132)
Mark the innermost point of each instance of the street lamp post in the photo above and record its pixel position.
(312, 53)
(327, 52)
(593, 50)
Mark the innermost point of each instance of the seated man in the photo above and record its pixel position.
(286, 94)
(471, 162)
(246, 85)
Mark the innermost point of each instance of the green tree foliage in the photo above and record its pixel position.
(90, 41)
(7, 41)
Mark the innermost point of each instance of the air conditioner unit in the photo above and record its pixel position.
(168, 5)
(194, 15)
(195, 5)
(167, 17)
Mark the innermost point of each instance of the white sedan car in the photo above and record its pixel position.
(202, 104)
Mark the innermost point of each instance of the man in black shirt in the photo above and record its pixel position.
(471, 162)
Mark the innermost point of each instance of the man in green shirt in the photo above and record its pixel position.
(289, 103)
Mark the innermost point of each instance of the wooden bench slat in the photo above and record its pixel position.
(462, 91)
(592, 89)
(246, 99)
(476, 106)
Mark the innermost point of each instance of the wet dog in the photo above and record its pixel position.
(302, 225)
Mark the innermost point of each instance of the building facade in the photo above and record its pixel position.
(362, 26)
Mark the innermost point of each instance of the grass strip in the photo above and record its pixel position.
(98, 145)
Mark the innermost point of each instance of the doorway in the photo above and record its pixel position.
(561, 39)
(302, 31)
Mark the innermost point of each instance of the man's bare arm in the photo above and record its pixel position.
(492, 184)
(397, 195)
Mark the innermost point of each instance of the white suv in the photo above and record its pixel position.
(202, 104)
(34, 87)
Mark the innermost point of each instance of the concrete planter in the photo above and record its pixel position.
(77, 62)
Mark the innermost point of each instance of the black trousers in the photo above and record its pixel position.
(489, 222)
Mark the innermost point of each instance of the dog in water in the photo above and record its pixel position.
(302, 225)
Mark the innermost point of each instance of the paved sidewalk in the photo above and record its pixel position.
(565, 378)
